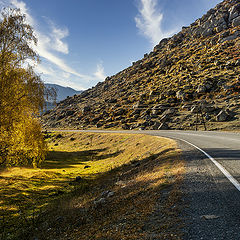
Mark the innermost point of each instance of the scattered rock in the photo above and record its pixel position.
(195, 109)
(100, 202)
(59, 219)
(59, 136)
(236, 22)
(207, 32)
(201, 89)
(207, 116)
(136, 164)
(208, 108)
(69, 113)
(86, 109)
(169, 111)
(165, 118)
(110, 125)
(125, 127)
(200, 62)
(181, 95)
(210, 217)
(85, 167)
(98, 125)
(163, 126)
(155, 126)
(78, 179)
(222, 116)
(110, 194)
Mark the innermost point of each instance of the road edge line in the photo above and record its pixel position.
(217, 164)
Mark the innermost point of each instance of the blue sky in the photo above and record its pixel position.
(83, 41)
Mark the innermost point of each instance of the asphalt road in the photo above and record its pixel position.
(213, 201)
(210, 187)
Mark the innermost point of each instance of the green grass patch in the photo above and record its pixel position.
(28, 194)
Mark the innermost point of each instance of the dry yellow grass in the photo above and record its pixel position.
(134, 167)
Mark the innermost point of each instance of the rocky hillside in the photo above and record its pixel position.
(187, 79)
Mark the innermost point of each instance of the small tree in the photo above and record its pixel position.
(22, 93)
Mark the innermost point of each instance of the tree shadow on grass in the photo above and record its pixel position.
(107, 179)
(62, 159)
(147, 165)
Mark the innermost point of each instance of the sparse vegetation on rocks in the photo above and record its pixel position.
(199, 67)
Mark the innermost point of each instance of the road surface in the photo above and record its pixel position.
(211, 185)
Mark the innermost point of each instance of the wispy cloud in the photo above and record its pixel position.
(57, 76)
(57, 35)
(100, 74)
(51, 43)
(44, 52)
(149, 21)
(40, 68)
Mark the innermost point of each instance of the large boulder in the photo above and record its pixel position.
(195, 109)
(125, 126)
(236, 22)
(86, 109)
(155, 126)
(180, 95)
(222, 116)
(163, 126)
(234, 12)
(207, 32)
(201, 89)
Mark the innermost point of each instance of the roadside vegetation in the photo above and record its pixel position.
(75, 185)
(94, 186)
(22, 94)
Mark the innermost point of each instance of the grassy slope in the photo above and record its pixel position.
(134, 167)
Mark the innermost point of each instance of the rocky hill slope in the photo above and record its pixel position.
(187, 79)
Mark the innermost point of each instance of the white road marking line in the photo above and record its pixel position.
(218, 165)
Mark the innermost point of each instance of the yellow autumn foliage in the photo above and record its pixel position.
(21, 94)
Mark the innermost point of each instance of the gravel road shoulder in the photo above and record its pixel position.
(213, 208)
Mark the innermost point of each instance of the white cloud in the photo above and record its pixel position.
(66, 75)
(43, 51)
(44, 70)
(49, 44)
(58, 34)
(51, 74)
(56, 37)
(149, 21)
(100, 74)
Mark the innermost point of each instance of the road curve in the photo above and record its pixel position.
(213, 201)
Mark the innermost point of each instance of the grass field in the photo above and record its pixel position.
(49, 203)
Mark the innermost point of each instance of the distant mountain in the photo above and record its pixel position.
(63, 92)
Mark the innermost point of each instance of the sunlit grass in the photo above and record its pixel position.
(25, 192)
